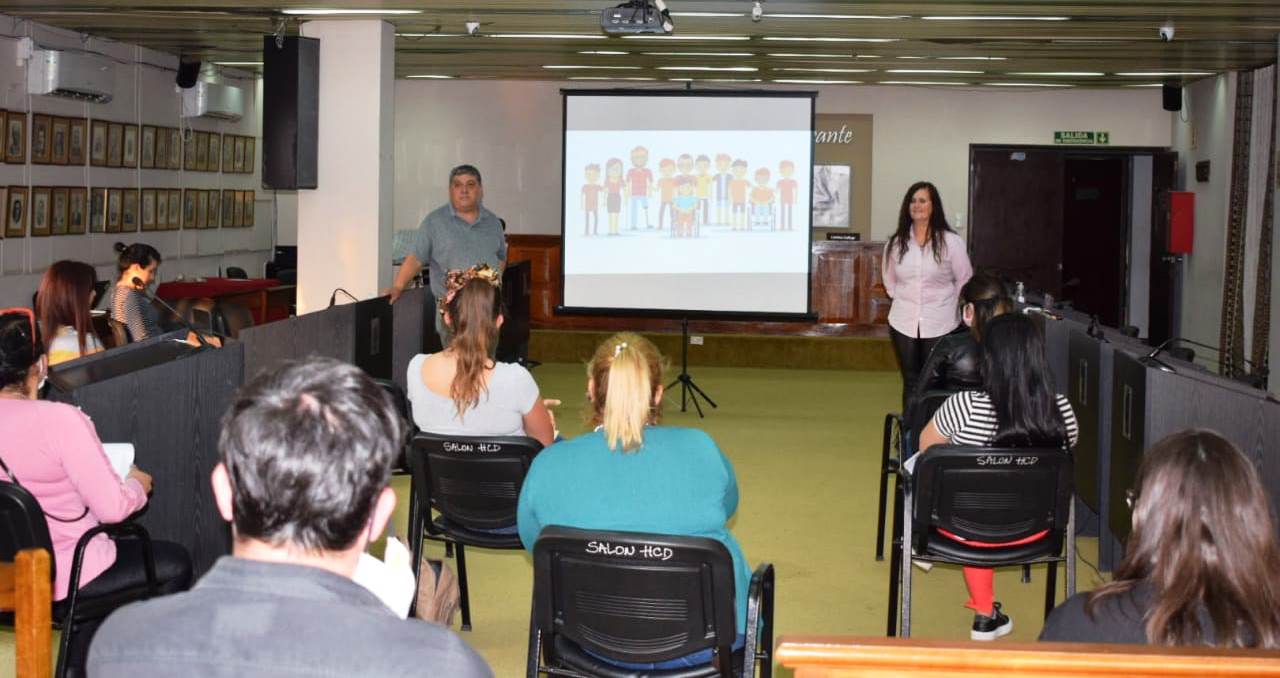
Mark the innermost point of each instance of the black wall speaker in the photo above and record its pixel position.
(290, 112)
(1172, 96)
(188, 71)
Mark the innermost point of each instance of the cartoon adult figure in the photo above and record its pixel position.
(666, 190)
(738, 194)
(786, 194)
(721, 181)
(639, 185)
(704, 189)
(762, 200)
(613, 189)
(685, 203)
(685, 165)
(591, 201)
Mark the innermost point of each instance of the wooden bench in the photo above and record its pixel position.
(26, 588)
(849, 656)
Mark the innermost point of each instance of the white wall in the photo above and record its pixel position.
(511, 130)
(143, 93)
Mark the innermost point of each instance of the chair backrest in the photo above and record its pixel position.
(632, 596)
(22, 523)
(236, 273)
(26, 587)
(234, 318)
(472, 481)
(992, 494)
(922, 411)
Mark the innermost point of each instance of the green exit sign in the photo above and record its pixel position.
(1082, 138)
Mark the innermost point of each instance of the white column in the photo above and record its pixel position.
(345, 224)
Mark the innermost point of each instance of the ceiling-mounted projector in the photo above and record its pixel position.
(637, 16)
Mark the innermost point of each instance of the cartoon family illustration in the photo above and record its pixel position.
(684, 189)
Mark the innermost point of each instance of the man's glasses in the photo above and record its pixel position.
(31, 319)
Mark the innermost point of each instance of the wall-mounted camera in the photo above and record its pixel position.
(1166, 31)
(473, 27)
(757, 11)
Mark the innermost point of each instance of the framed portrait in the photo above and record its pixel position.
(238, 162)
(60, 129)
(58, 217)
(215, 151)
(175, 209)
(202, 209)
(175, 149)
(40, 197)
(148, 221)
(115, 144)
(228, 153)
(77, 199)
(831, 195)
(129, 215)
(114, 209)
(237, 210)
(148, 159)
(40, 148)
(15, 140)
(248, 209)
(189, 152)
(162, 210)
(202, 151)
(16, 213)
(76, 140)
(4, 205)
(162, 148)
(97, 210)
(98, 144)
(228, 205)
(249, 158)
(188, 209)
(130, 155)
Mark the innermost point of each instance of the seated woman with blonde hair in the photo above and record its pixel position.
(631, 474)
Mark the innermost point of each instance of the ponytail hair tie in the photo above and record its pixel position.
(617, 349)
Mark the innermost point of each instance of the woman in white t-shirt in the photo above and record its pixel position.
(1017, 407)
(462, 390)
(63, 304)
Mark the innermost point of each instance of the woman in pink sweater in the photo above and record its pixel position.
(53, 451)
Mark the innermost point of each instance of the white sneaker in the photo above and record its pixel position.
(989, 628)
(924, 565)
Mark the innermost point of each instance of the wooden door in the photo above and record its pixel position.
(1015, 215)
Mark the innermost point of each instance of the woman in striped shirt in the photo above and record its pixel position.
(1018, 407)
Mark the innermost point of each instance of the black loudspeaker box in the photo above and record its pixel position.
(1172, 97)
(290, 112)
(188, 71)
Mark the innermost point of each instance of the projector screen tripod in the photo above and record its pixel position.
(688, 389)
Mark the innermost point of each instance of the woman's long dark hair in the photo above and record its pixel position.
(1015, 374)
(989, 297)
(138, 253)
(63, 300)
(938, 226)
(20, 347)
(1204, 540)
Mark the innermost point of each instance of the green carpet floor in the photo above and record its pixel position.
(806, 445)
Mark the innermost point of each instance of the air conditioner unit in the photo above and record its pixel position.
(74, 75)
(213, 100)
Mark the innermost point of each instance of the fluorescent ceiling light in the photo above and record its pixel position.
(771, 15)
(920, 82)
(802, 55)
(686, 37)
(784, 39)
(606, 77)
(1148, 84)
(932, 71)
(729, 80)
(601, 68)
(910, 57)
(826, 70)
(1064, 74)
(430, 76)
(736, 69)
(1162, 74)
(237, 63)
(604, 52)
(819, 82)
(699, 54)
(996, 18)
(973, 58)
(550, 36)
(708, 14)
(1026, 84)
(432, 35)
(319, 11)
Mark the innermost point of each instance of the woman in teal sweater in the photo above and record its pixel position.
(631, 474)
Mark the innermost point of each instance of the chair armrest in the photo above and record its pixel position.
(759, 612)
(113, 530)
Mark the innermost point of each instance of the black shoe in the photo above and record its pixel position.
(990, 628)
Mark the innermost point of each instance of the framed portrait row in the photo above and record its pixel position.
(60, 210)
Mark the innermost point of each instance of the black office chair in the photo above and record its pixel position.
(401, 403)
(642, 598)
(984, 494)
(474, 483)
(23, 526)
(236, 273)
(900, 434)
(234, 318)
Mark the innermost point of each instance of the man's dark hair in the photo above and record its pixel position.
(308, 447)
(466, 169)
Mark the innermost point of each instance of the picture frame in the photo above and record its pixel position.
(114, 209)
(58, 207)
(215, 152)
(147, 159)
(189, 152)
(77, 140)
(175, 209)
(40, 147)
(162, 148)
(98, 144)
(237, 210)
(129, 156)
(175, 148)
(4, 198)
(248, 209)
(249, 159)
(59, 131)
(202, 208)
(40, 198)
(215, 209)
(148, 220)
(15, 140)
(228, 206)
(832, 193)
(202, 151)
(129, 214)
(161, 221)
(77, 210)
(238, 162)
(188, 209)
(16, 212)
(115, 144)
(228, 153)
(98, 210)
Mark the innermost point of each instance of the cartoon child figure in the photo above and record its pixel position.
(762, 200)
(786, 194)
(721, 181)
(738, 194)
(703, 189)
(613, 190)
(591, 201)
(639, 185)
(666, 190)
(685, 203)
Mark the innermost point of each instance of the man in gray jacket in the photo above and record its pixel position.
(306, 454)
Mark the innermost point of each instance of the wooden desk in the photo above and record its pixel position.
(266, 298)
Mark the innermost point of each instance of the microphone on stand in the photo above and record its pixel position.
(334, 297)
(138, 285)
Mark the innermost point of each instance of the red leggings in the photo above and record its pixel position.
(981, 580)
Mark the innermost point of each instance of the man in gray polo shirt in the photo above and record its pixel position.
(304, 481)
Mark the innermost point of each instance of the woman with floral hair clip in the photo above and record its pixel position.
(462, 390)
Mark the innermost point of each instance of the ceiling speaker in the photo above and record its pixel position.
(188, 71)
(1172, 96)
